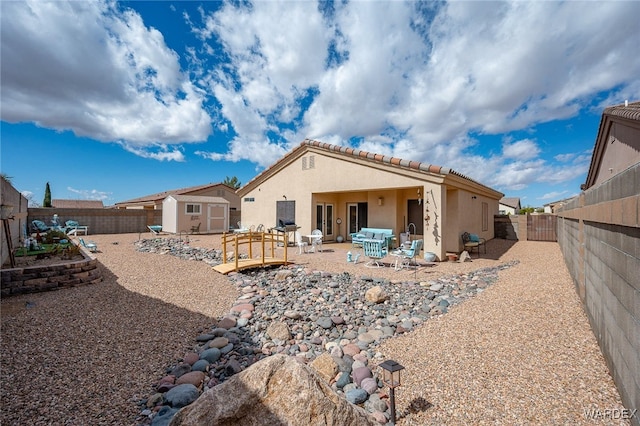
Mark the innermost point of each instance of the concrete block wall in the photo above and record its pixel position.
(506, 227)
(101, 221)
(599, 234)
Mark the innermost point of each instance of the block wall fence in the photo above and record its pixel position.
(599, 235)
(101, 221)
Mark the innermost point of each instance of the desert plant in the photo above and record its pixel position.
(50, 236)
(71, 251)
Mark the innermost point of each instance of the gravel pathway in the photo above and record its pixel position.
(520, 352)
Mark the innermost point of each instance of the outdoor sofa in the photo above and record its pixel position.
(384, 234)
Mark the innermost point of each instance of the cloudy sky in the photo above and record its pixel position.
(116, 100)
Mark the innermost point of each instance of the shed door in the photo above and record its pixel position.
(217, 218)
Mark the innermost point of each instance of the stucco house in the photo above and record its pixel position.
(155, 201)
(617, 145)
(340, 190)
(509, 205)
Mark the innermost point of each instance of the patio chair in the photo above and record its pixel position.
(39, 226)
(375, 250)
(196, 228)
(472, 241)
(91, 246)
(72, 227)
(316, 241)
(302, 245)
(408, 256)
(155, 229)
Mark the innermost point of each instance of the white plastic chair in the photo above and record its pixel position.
(316, 241)
(300, 244)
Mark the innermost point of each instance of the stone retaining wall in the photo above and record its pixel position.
(51, 277)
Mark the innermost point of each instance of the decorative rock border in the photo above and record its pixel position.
(36, 279)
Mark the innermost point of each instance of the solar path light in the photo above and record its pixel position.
(391, 377)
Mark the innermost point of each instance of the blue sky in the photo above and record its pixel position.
(117, 100)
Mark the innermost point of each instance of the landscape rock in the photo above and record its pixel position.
(278, 390)
(376, 295)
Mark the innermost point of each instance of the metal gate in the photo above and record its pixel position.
(542, 227)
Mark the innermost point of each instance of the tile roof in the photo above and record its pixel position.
(394, 161)
(510, 201)
(159, 196)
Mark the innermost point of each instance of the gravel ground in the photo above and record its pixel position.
(521, 352)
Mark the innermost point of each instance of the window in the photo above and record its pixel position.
(220, 192)
(485, 216)
(193, 208)
(249, 199)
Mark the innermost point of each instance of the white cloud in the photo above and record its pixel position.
(521, 150)
(90, 194)
(98, 71)
(163, 153)
(563, 158)
(554, 195)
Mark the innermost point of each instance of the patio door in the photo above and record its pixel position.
(324, 220)
(356, 217)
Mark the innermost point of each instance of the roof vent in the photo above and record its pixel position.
(626, 102)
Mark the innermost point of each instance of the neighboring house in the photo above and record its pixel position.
(553, 206)
(509, 205)
(182, 213)
(599, 235)
(155, 201)
(77, 204)
(340, 190)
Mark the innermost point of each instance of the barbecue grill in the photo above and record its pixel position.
(286, 227)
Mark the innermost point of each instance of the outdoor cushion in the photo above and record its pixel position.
(378, 236)
(368, 235)
(72, 223)
(474, 238)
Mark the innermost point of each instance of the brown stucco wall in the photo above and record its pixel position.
(599, 234)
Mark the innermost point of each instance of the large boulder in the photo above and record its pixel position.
(376, 295)
(279, 390)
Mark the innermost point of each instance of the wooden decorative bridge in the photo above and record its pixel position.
(266, 241)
